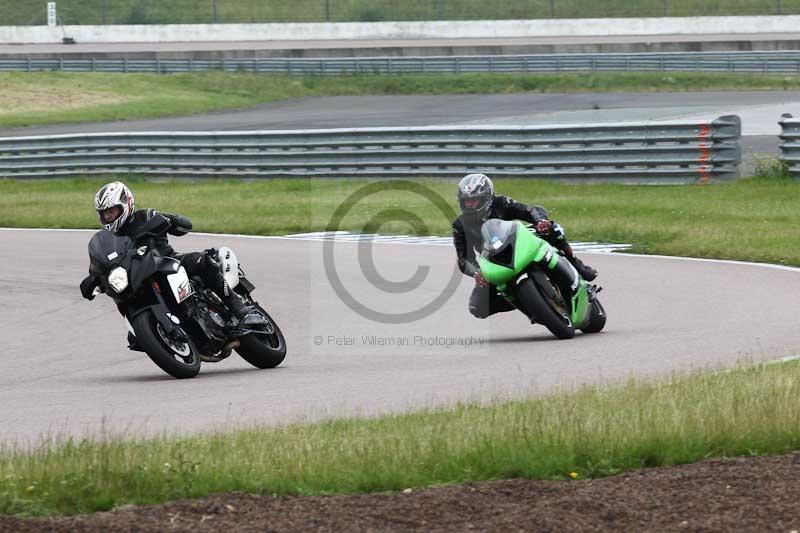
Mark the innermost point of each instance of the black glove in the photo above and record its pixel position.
(180, 225)
(88, 285)
(213, 261)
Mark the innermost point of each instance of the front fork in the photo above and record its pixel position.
(170, 322)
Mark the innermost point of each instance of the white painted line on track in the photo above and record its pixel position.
(589, 249)
(718, 261)
(46, 229)
(782, 360)
(344, 236)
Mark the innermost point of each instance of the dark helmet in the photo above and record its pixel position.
(475, 195)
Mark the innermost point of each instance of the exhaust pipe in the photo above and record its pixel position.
(231, 345)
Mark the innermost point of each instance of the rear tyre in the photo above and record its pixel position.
(263, 350)
(597, 319)
(177, 358)
(543, 312)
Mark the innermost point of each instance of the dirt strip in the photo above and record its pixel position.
(744, 494)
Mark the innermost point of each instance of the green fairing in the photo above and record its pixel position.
(529, 248)
(580, 305)
(553, 261)
(494, 273)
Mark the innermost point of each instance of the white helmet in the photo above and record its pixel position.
(114, 205)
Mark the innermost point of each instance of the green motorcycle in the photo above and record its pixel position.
(539, 281)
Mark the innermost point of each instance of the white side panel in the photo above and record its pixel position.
(179, 283)
(230, 266)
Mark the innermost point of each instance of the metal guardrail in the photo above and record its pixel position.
(790, 147)
(675, 151)
(778, 62)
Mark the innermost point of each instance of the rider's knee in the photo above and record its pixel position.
(477, 312)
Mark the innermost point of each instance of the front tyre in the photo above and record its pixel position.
(263, 350)
(177, 358)
(536, 304)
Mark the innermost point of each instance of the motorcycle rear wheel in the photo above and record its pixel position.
(178, 359)
(542, 311)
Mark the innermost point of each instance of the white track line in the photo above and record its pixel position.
(787, 359)
(344, 236)
(590, 251)
(756, 364)
(722, 261)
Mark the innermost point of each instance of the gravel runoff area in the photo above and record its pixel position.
(742, 494)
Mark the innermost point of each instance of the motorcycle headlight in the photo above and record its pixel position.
(118, 279)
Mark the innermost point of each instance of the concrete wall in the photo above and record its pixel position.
(402, 30)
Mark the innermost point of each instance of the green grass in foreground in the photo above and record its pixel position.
(752, 219)
(591, 432)
(55, 97)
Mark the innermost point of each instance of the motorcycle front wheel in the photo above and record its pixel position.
(263, 350)
(177, 358)
(543, 312)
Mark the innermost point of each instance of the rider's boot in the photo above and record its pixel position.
(586, 272)
(247, 316)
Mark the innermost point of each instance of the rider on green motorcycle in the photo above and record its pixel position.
(478, 203)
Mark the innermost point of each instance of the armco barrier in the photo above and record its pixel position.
(671, 152)
(778, 62)
(790, 147)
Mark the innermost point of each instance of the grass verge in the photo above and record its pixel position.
(591, 432)
(28, 99)
(751, 219)
(248, 11)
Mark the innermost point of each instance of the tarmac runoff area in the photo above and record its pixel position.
(759, 110)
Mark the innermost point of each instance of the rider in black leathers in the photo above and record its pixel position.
(115, 206)
(478, 204)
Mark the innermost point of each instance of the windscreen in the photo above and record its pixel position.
(497, 234)
(106, 249)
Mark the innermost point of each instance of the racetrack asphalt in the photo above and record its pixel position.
(66, 369)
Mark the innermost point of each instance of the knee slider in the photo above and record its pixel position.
(476, 312)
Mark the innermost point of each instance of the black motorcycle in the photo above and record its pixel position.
(179, 321)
